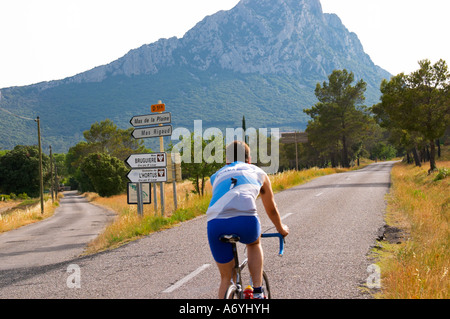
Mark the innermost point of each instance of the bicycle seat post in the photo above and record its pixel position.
(233, 240)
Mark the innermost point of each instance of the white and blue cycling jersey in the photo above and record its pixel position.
(235, 189)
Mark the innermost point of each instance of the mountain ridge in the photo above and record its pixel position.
(235, 62)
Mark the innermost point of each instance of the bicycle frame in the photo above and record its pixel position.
(237, 282)
(237, 272)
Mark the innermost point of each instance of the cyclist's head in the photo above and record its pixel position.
(238, 151)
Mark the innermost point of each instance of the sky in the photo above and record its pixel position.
(44, 40)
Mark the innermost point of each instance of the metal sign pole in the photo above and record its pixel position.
(155, 199)
(140, 201)
(174, 178)
(296, 151)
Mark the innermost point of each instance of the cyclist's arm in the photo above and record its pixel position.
(270, 206)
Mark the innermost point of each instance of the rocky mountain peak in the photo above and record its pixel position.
(266, 6)
(245, 60)
(256, 36)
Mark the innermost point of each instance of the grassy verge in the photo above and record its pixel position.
(419, 205)
(26, 212)
(129, 226)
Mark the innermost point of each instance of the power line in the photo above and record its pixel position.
(18, 116)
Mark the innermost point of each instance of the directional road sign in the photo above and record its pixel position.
(151, 119)
(156, 131)
(147, 160)
(149, 175)
(294, 137)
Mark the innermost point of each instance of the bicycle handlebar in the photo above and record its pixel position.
(280, 237)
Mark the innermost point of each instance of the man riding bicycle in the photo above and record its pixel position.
(232, 210)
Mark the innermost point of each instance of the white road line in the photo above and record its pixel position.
(317, 195)
(196, 272)
(286, 216)
(181, 282)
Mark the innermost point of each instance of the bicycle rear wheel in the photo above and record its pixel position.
(266, 286)
(232, 292)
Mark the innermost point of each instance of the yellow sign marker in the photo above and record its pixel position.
(158, 108)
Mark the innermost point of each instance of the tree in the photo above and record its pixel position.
(339, 121)
(197, 171)
(244, 128)
(103, 137)
(106, 173)
(383, 151)
(19, 170)
(418, 103)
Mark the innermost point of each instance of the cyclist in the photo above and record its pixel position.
(232, 210)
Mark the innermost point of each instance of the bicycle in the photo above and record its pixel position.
(236, 288)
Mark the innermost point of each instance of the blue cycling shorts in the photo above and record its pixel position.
(248, 228)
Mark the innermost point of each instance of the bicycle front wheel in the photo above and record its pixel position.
(232, 292)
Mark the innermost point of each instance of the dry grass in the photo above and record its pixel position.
(7, 205)
(285, 180)
(129, 226)
(418, 204)
(21, 216)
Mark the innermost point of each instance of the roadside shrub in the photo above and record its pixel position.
(106, 173)
(4, 198)
(23, 196)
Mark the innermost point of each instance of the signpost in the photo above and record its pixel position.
(159, 108)
(152, 168)
(294, 137)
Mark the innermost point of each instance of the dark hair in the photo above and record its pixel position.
(237, 151)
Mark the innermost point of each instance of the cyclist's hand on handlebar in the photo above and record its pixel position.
(284, 230)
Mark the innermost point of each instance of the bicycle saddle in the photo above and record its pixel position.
(229, 238)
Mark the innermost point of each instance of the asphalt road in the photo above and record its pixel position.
(58, 238)
(334, 222)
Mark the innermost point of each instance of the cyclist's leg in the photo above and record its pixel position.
(248, 228)
(226, 271)
(254, 249)
(255, 262)
(222, 253)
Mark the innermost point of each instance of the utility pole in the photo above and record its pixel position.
(51, 175)
(41, 179)
(161, 190)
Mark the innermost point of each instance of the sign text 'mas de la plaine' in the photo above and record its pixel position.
(151, 119)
